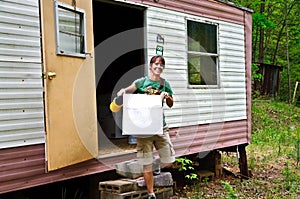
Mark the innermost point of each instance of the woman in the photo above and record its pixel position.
(153, 84)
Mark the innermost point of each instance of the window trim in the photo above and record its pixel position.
(217, 55)
(60, 51)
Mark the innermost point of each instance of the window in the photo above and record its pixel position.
(202, 54)
(70, 30)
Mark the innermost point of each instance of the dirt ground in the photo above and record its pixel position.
(266, 180)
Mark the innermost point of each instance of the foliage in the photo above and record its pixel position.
(279, 21)
(184, 164)
(229, 190)
(275, 145)
(290, 179)
(255, 74)
(260, 21)
(275, 124)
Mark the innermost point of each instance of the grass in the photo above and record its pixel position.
(273, 157)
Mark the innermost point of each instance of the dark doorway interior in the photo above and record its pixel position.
(114, 68)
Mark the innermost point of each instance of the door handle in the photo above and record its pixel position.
(51, 75)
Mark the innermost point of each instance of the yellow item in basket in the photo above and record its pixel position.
(114, 107)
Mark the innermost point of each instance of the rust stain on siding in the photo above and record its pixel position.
(212, 9)
(194, 139)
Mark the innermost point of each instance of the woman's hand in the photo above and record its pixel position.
(164, 95)
(169, 99)
(129, 89)
(121, 92)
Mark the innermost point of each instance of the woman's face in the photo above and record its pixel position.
(157, 67)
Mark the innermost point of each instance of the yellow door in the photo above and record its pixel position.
(69, 81)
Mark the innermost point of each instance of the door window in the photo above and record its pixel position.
(70, 30)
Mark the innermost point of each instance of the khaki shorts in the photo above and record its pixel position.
(162, 144)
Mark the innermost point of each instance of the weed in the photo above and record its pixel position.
(206, 179)
(290, 179)
(251, 162)
(184, 164)
(230, 194)
(192, 187)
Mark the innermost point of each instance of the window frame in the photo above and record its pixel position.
(75, 10)
(196, 53)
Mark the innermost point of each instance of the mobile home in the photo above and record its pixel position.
(61, 63)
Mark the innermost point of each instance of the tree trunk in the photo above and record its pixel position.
(281, 34)
(261, 36)
(287, 54)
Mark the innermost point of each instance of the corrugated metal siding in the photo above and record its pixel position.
(207, 137)
(21, 89)
(200, 106)
(24, 167)
(21, 162)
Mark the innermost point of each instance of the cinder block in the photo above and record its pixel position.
(161, 193)
(117, 186)
(164, 193)
(164, 179)
(161, 180)
(132, 169)
(127, 195)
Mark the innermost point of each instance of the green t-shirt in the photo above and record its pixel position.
(144, 83)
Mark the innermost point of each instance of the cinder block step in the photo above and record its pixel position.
(161, 193)
(164, 179)
(118, 186)
(126, 195)
(132, 169)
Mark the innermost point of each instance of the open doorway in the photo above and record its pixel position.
(119, 60)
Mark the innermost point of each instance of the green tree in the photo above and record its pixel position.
(272, 20)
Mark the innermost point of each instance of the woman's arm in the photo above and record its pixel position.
(169, 101)
(129, 89)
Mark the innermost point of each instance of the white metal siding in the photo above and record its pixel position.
(200, 106)
(21, 89)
